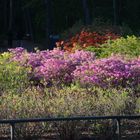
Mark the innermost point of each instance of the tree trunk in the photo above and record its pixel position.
(117, 6)
(48, 23)
(29, 24)
(5, 15)
(10, 30)
(86, 12)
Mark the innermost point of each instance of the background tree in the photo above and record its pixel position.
(40, 18)
(87, 18)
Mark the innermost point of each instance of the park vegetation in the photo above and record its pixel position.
(97, 77)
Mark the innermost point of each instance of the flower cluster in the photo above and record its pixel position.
(54, 71)
(18, 54)
(85, 39)
(55, 66)
(113, 71)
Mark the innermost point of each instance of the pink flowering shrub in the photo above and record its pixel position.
(18, 54)
(113, 71)
(79, 57)
(54, 71)
(59, 67)
(55, 66)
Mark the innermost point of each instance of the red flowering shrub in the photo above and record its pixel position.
(85, 39)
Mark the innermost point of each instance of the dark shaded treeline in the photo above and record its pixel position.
(38, 19)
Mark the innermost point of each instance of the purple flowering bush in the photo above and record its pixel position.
(79, 57)
(18, 54)
(55, 66)
(59, 67)
(54, 70)
(112, 71)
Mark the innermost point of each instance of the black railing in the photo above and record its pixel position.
(13, 122)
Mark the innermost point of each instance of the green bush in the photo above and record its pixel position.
(75, 101)
(67, 102)
(129, 46)
(28, 104)
(96, 50)
(13, 77)
(138, 105)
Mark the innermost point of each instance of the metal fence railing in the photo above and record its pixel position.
(13, 122)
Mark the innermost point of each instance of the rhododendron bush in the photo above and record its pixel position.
(85, 39)
(60, 67)
(112, 71)
(53, 66)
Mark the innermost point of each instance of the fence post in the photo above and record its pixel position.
(118, 128)
(12, 131)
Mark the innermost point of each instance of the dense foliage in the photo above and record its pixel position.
(13, 77)
(113, 71)
(86, 38)
(54, 66)
(58, 83)
(128, 46)
(94, 71)
(69, 101)
(58, 67)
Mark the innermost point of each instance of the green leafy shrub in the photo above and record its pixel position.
(74, 101)
(129, 46)
(29, 104)
(97, 51)
(67, 102)
(138, 105)
(13, 78)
